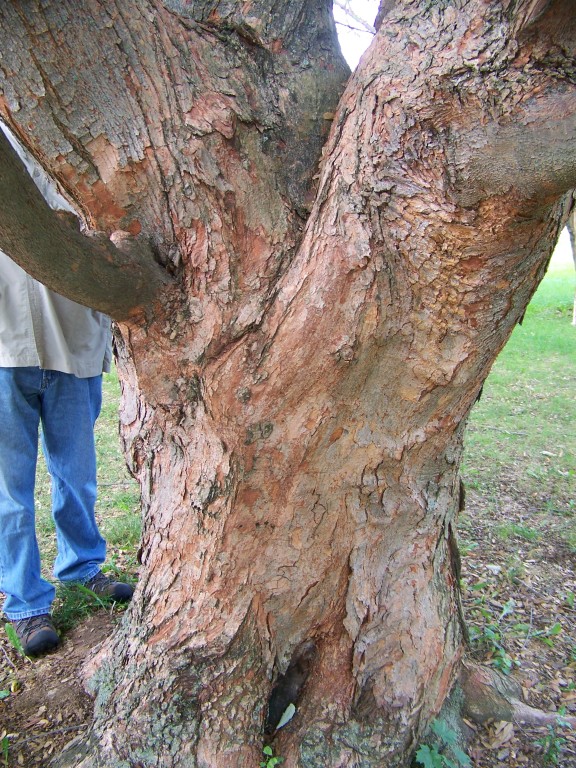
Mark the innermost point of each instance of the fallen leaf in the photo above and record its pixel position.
(503, 732)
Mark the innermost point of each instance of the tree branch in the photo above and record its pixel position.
(534, 156)
(119, 279)
(346, 6)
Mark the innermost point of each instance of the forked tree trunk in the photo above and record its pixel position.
(294, 407)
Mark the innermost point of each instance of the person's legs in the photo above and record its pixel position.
(70, 407)
(27, 593)
(67, 408)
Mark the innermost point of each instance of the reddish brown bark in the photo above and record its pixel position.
(295, 414)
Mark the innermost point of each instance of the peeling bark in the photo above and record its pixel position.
(294, 411)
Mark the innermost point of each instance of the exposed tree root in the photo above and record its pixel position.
(491, 696)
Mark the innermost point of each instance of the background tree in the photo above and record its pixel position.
(299, 357)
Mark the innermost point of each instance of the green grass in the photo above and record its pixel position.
(510, 530)
(521, 434)
(521, 441)
(75, 603)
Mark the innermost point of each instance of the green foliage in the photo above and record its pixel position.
(4, 694)
(270, 761)
(515, 530)
(515, 570)
(123, 528)
(13, 637)
(520, 444)
(546, 635)
(489, 638)
(101, 601)
(445, 751)
(75, 602)
(553, 743)
(5, 747)
(429, 757)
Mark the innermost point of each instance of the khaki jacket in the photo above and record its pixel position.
(41, 328)
(38, 327)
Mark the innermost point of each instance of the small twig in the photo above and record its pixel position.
(53, 732)
(530, 626)
(499, 429)
(344, 5)
(8, 659)
(351, 28)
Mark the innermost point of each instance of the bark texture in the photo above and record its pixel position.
(294, 409)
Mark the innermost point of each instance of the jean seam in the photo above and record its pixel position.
(28, 614)
(85, 580)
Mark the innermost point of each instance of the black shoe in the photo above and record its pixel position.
(103, 586)
(37, 634)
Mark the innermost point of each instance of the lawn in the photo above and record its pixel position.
(521, 438)
(517, 533)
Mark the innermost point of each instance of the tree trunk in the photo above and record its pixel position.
(295, 411)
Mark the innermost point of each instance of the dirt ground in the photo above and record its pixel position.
(47, 706)
(525, 589)
(518, 594)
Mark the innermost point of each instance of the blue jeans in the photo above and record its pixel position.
(67, 407)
